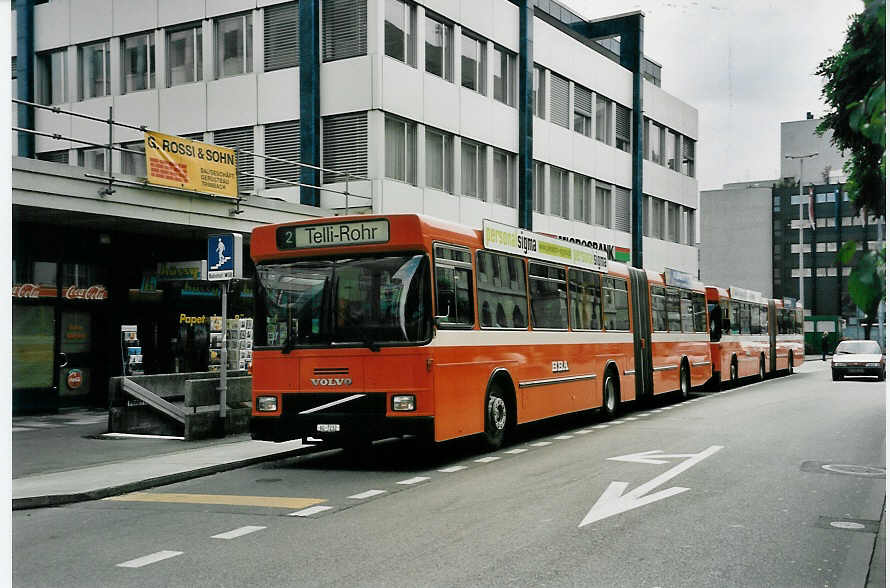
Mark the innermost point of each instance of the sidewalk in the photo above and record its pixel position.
(64, 458)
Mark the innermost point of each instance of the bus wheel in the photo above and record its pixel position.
(762, 373)
(684, 382)
(790, 363)
(733, 371)
(610, 395)
(495, 417)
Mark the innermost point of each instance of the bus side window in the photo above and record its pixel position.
(764, 320)
(735, 319)
(659, 313)
(724, 310)
(672, 303)
(502, 303)
(586, 309)
(686, 311)
(615, 307)
(700, 313)
(547, 293)
(454, 295)
(755, 318)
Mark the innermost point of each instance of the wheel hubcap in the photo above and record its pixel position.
(497, 412)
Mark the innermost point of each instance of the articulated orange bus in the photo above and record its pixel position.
(384, 325)
(752, 335)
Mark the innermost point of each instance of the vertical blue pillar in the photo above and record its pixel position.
(630, 28)
(526, 112)
(25, 73)
(310, 100)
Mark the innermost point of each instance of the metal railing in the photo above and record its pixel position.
(110, 146)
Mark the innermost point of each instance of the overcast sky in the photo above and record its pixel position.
(746, 65)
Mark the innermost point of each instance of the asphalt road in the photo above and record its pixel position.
(779, 483)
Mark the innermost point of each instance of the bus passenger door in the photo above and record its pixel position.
(771, 322)
(642, 326)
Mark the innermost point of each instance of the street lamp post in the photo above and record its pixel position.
(800, 221)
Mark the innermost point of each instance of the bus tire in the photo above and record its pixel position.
(790, 363)
(611, 389)
(685, 385)
(496, 416)
(734, 371)
(762, 373)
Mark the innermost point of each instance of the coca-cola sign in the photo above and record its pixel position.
(94, 292)
(33, 291)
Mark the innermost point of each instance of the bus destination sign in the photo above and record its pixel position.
(508, 239)
(333, 234)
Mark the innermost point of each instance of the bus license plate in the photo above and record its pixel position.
(327, 428)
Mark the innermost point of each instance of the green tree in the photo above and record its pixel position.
(855, 93)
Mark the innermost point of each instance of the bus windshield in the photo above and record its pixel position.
(365, 301)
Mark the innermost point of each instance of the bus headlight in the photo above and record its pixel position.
(266, 403)
(403, 402)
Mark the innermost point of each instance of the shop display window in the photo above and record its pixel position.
(32, 346)
(33, 279)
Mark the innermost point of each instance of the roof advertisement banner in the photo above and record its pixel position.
(507, 239)
(190, 165)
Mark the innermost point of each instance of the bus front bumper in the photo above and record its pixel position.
(338, 428)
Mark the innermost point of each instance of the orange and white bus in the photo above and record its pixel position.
(752, 335)
(377, 326)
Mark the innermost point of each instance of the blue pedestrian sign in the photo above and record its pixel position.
(224, 259)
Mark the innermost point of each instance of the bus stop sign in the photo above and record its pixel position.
(224, 258)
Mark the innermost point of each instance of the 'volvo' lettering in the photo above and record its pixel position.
(331, 381)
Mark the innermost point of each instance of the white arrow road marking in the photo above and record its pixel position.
(614, 501)
(654, 457)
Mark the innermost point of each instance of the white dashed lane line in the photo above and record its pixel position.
(149, 559)
(412, 481)
(541, 444)
(238, 532)
(564, 437)
(367, 494)
(308, 512)
(486, 459)
(452, 469)
(515, 451)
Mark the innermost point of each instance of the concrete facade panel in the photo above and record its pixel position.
(346, 86)
(232, 102)
(219, 7)
(477, 15)
(183, 109)
(505, 24)
(475, 115)
(136, 108)
(52, 25)
(402, 89)
(441, 103)
(278, 95)
(91, 20)
(90, 130)
(132, 17)
(173, 12)
(504, 122)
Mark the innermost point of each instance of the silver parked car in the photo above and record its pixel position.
(857, 358)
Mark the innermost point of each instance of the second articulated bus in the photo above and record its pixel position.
(376, 326)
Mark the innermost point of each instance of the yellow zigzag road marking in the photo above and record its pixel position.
(226, 499)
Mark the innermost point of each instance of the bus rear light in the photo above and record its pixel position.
(266, 403)
(403, 403)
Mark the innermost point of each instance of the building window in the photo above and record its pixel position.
(504, 76)
(399, 31)
(439, 160)
(283, 142)
(133, 164)
(504, 177)
(439, 48)
(137, 63)
(622, 128)
(645, 205)
(344, 29)
(603, 120)
(603, 206)
(472, 169)
(95, 62)
(52, 77)
(559, 192)
(656, 143)
(94, 158)
(658, 218)
(401, 150)
(240, 139)
(583, 112)
(472, 64)
(234, 45)
(344, 145)
(538, 91)
(690, 226)
(670, 149)
(582, 198)
(60, 156)
(281, 36)
(673, 222)
(688, 157)
(538, 177)
(184, 56)
(559, 100)
(622, 209)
